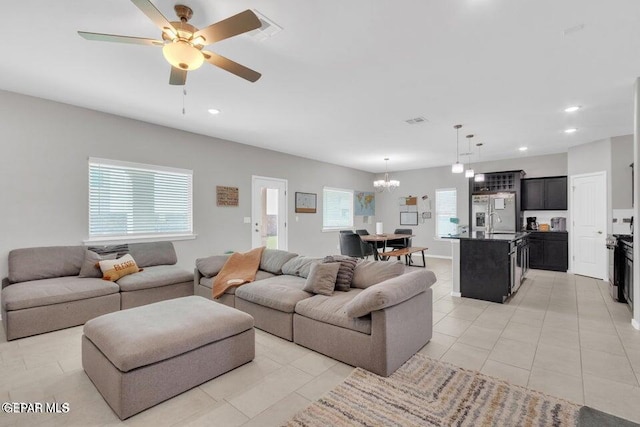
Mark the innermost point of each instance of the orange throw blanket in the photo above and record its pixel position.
(239, 269)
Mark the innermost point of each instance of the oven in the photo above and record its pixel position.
(616, 266)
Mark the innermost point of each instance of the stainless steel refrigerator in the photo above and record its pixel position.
(495, 212)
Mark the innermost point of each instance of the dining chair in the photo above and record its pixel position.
(401, 243)
(377, 245)
(352, 245)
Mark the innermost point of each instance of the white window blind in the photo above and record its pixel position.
(337, 208)
(132, 200)
(446, 208)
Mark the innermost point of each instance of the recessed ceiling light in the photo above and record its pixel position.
(572, 109)
(213, 111)
(570, 130)
(523, 148)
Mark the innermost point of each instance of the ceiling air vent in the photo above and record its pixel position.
(268, 28)
(416, 120)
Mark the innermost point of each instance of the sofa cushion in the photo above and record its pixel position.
(155, 332)
(210, 266)
(45, 263)
(368, 273)
(322, 278)
(390, 293)
(208, 281)
(332, 310)
(345, 273)
(58, 290)
(90, 266)
(154, 277)
(114, 269)
(280, 293)
(273, 260)
(153, 253)
(299, 266)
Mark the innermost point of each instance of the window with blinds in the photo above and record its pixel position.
(337, 208)
(131, 200)
(446, 208)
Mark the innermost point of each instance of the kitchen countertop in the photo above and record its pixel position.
(548, 231)
(481, 235)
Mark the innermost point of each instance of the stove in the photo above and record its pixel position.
(616, 264)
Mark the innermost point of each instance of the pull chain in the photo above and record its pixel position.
(184, 95)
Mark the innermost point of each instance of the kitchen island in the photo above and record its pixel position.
(491, 266)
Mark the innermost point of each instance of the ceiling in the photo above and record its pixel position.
(343, 76)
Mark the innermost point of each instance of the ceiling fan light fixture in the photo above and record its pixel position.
(183, 55)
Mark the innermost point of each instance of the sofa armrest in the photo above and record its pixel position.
(196, 278)
(5, 282)
(390, 292)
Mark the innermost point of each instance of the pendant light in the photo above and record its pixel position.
(457, 167)
(386, 183)
(480, 176)
(469, 172)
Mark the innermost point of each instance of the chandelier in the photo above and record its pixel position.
(386, 184)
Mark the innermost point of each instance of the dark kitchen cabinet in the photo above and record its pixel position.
(540, 194)
(549, 250)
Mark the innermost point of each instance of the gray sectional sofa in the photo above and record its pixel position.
(379, 323)
(44, 292)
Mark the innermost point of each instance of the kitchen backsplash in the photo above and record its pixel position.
(544, 217)
(621, 218)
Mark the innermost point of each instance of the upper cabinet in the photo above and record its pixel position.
(540, 194)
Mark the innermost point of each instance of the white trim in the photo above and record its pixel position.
(439, 256)
(138, 239)
(456, 294)
(139, 166)
(635, 324)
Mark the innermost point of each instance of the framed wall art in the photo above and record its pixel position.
(306, 202)
(408, 218)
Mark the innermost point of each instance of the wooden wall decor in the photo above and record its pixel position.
(227, 196)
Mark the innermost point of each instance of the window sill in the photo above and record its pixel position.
(137, 239)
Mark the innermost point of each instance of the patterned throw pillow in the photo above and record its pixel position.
(345, 273)
(112, 270)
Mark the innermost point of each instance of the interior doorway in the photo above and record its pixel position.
(269, 213)
(588, 210)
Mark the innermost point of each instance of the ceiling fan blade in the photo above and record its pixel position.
(178, 76)
(120, 39)
(154, 14)
(237, 24)
(231, 66)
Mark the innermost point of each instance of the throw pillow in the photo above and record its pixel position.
(345, 273)
(112, 270)
(90, 266)
(322, 278)
(119, 250)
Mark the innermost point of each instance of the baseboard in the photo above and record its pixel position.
(635, 324)
(456, 294)
(438, 256)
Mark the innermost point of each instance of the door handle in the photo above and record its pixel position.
(599, 232)
(257, 230)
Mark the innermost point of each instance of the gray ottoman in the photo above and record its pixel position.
(142, 356)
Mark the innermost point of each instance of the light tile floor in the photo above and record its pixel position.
(561, 334)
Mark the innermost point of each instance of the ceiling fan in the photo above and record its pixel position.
(182, 43)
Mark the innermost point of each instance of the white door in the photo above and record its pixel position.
(269, 213)
(589, 224)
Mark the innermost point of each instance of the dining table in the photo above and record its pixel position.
(372, 239)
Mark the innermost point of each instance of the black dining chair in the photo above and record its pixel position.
(352, 245)
(401, 243)
(346, 231)
(376, 245)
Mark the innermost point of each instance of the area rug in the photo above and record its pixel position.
(427, 392)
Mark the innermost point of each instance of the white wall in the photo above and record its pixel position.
(43, 178)
(621, 158)
(425, 182)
